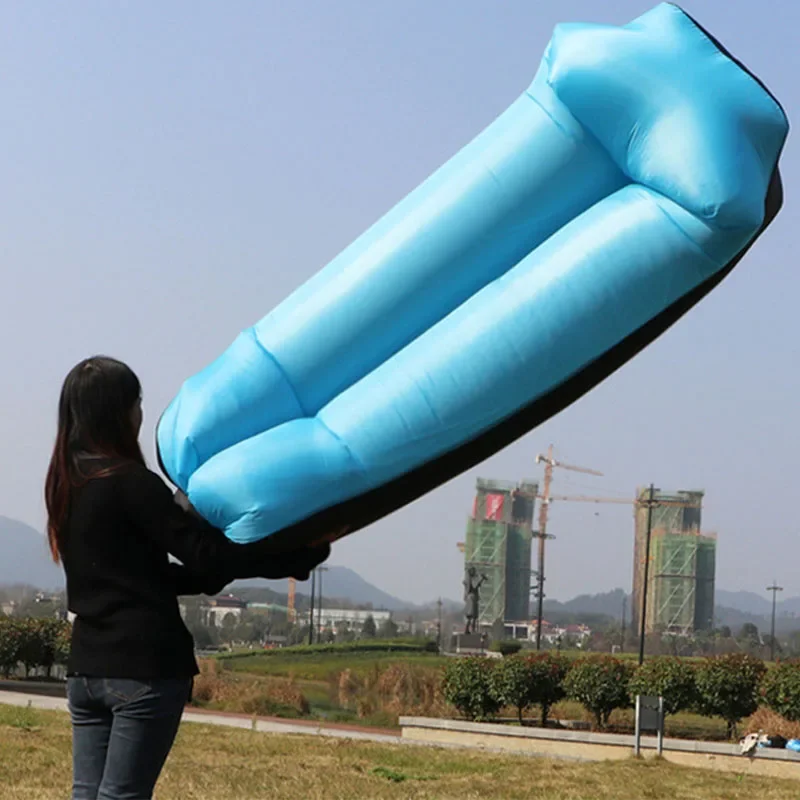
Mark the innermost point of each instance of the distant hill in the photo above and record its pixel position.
(24, 557)
(746, 602)
(338, 582)
(607, 604)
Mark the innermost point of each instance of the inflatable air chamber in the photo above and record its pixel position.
(617, 191)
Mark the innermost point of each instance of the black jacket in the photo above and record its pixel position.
(122, 586)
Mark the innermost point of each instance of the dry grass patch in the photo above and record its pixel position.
(217, 764)
(222, 691)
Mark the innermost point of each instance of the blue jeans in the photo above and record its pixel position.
(122, 732)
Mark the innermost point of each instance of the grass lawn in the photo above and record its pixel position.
(215, 764)
(320, 666)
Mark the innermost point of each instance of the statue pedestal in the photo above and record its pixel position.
(470, 643)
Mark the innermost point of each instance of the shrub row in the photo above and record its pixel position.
(729, 686)
(32, 643)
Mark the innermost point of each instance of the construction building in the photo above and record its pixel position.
(498, 545)
(680, 592)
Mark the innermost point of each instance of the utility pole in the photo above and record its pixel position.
(622, 635)
(319, 604)
(311, 610)
(774, 589)
(549, 463)
(439, 624)
(643, 611)
(542, 535)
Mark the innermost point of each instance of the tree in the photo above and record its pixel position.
(749, 632)
(388, 629)
(670, 678)
(298, 634)
(202, 637)
(548, 672)
(343, 632)
(50, 633)
(31, 644)
(229, 622)
(523, 681)
(10, 640)
(749, 637)
(727, 687)
(511, 684)
(245, 632)
(781, 689)
(773, 644)
(725, 632)
(369, 630)
(467, 685)
(794, 643)
(600, 684)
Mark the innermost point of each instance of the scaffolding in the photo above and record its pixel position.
(680, 592)
(498, 545)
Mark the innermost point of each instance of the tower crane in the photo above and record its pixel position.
(546, 498)
(649, 503)
(550, 463)
(291, 614)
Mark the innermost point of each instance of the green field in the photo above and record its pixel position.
(321, 666)
(220, 764)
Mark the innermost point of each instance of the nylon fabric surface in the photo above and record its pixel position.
(635, 170)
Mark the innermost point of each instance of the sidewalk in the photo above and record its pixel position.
(229, 720)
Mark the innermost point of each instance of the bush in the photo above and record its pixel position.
(548, 672)
(32, 642)
(727, 687)
(780, 689)
(506, 647)
(467, 685)
(600, 685)
(10, 641)
(670, 678)
(512, 684)
(523, 681)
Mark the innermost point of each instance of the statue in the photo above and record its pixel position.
(472, 596)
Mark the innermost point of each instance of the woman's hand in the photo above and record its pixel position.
(299, 564)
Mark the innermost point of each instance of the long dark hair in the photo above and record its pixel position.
(94, 419)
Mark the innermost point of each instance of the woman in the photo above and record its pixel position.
(112, 523)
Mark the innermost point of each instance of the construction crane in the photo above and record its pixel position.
(648, 502)
(546, 498)
(578, 498)
(550, 464)
(291, 614)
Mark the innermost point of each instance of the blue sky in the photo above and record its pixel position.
(172, 171)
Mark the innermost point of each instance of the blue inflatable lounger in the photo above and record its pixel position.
(616, 192)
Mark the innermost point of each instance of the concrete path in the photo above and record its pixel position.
(261, 724)
(282, 727)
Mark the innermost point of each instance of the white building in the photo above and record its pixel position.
(350, 618)
(219, 607)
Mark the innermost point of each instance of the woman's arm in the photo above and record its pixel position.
(187, 583)
(203, 550)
